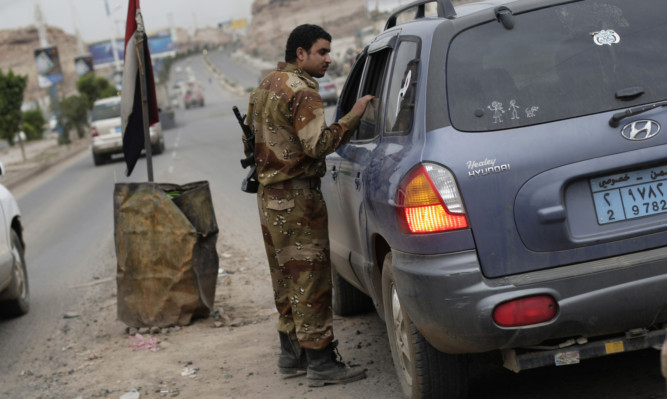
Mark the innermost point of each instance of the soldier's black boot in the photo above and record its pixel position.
(292, 360)
(325, 367)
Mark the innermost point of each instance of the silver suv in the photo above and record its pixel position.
(106, 131)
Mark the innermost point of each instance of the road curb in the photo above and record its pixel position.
(17, 174)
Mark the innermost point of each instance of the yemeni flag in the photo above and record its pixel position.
(131, 111)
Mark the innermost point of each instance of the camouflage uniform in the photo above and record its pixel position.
(291, 141)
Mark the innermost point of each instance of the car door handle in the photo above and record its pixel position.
(334, 172)
(357, 181)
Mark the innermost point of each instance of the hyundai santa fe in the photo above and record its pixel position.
(506, 191)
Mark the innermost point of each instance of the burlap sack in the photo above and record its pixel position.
(165, 249)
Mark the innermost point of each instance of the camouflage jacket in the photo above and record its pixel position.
(291, 136)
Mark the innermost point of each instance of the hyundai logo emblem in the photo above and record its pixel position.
(640, 130)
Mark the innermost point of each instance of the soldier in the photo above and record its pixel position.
(291, 141)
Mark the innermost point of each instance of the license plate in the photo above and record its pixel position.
(630, 195)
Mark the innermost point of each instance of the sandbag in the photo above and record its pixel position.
(165, 237)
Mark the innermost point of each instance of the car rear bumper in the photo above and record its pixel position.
(114, 144)
(452, 303)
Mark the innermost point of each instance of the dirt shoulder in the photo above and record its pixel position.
(231, 354)
(22, 164)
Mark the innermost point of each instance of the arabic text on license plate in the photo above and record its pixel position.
(630, 195)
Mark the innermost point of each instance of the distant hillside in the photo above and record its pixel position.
(273, 20)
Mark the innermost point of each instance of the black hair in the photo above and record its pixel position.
(304, 36)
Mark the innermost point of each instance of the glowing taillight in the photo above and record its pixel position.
(428, 201)
(525, 311)
(94, 132)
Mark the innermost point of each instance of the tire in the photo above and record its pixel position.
(158, 148)
(17, 302)
(98, 159)
(346, 299)
(423, 371)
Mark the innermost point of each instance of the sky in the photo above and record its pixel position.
(93, 24)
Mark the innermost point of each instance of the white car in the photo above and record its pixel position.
(14, 291)
(106, 131)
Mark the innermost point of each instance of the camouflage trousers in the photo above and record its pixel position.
(296, 238)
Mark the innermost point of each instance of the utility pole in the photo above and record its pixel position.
(114, 49)
(53, 90)
(77, 33)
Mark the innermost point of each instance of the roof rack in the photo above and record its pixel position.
(445, 10)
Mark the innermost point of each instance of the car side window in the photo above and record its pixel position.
(350, 91)
(401, 93)
(373, 84)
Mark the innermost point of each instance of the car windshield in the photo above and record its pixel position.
(106, 111)
(559, 62)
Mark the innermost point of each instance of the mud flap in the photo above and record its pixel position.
(167, 263)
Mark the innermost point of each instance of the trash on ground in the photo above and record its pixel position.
(138, 342)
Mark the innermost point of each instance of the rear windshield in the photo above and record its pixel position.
(559, 62)
(106, 111)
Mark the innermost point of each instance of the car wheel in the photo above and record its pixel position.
(346, 299)
(18, 293)
(98, 159)
(158, 148)
(423, 371)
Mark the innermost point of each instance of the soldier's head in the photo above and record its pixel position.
(308, 47)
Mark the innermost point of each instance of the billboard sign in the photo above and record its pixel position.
(48, 66)
(102, 52)
(83, 65)
(160, 45)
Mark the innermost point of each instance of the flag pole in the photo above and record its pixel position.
(140, 43)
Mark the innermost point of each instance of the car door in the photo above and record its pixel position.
(340, 233)
(6, 259)
(355, 158)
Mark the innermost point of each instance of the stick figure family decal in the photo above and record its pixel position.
(513, 109)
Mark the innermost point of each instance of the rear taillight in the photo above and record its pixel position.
(330, 86)
(94, 132)
(428, 201)
(525, 311)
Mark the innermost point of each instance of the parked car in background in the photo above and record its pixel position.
(328, 90)
(106, 131)
(14, 287)
(167, 114)
(506, 191)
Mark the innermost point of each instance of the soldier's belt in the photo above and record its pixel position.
(296, 184)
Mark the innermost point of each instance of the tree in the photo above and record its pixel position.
(11, 97)
(93, 88)
(33, 124)
(74, 115)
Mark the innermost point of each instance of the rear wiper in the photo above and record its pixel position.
(619, 116)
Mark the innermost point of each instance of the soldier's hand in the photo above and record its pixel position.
(360, 106)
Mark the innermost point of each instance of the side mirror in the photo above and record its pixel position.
(2, 169)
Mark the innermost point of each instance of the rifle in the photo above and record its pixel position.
(250, 183)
